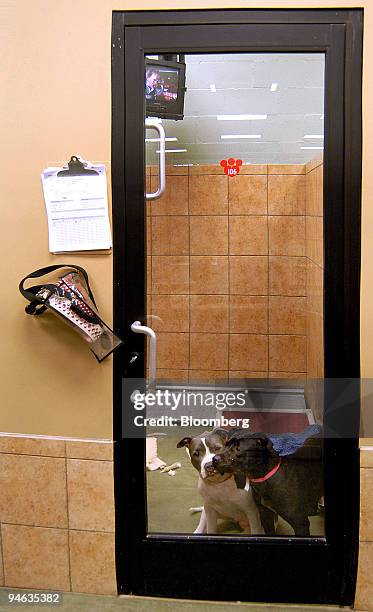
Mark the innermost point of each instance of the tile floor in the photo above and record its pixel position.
(74, 602)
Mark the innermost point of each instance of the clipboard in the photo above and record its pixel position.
(77, 208)
(77, 168)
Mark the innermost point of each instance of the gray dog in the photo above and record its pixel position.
(288, 486)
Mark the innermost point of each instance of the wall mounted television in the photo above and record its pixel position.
(164, 89)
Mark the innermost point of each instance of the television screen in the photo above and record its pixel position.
(164, 89)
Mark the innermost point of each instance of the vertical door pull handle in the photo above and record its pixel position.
(138, 328)
(161, 160)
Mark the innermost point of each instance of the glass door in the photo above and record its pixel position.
(235, 282)
(229, 257)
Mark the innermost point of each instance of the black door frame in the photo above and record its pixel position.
(272, 570)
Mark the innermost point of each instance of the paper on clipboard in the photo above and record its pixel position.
(77, 210)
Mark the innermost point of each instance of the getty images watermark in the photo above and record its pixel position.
(335, 403)
(182, 401)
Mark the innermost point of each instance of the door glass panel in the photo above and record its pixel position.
(235, 295)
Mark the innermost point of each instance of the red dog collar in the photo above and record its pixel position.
(267, 476)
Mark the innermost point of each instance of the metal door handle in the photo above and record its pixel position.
(161, 161)
(138, 328)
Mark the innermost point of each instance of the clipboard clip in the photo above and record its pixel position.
(76, 168)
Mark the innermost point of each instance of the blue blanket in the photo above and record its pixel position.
(288, 443)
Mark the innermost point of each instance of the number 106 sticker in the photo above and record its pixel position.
(231, 166)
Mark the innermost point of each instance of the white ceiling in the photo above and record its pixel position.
(243, 83)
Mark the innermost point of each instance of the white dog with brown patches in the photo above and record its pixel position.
(222, 498)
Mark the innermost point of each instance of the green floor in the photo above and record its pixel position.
(170, 497)
(93, 603)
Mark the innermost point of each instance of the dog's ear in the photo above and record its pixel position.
(265, 443)
(240, 480)
(270, 448)
(231, 442)
(222, 433)
(234, 432)
(184, 442)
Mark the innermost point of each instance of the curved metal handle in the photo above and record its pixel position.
(161, 160)
(138, 328)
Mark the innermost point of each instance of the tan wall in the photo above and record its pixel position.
(315, 268)
(56, 102)
(56, 98)
(315, 281)
(227, 273)
(364, 587)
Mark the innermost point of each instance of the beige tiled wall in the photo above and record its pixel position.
(57, 514)
(227, 272)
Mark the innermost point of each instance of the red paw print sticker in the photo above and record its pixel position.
(231, 166)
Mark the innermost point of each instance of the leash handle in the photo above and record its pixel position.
(36, 306)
